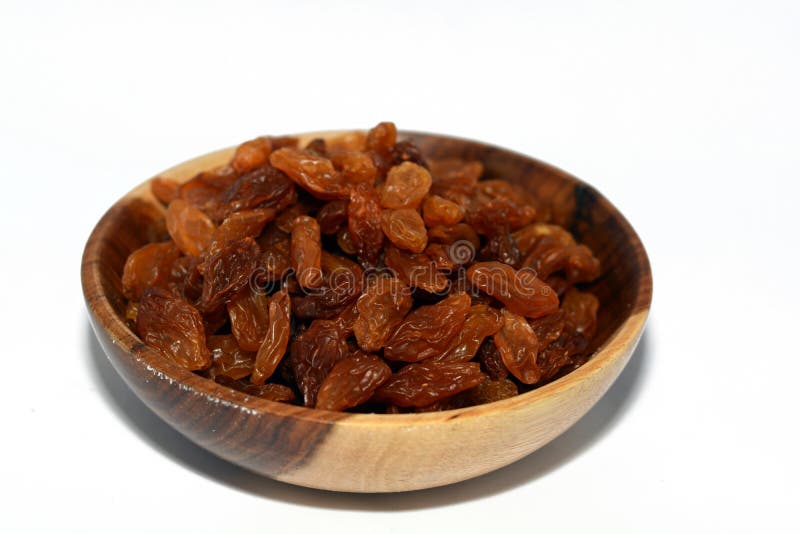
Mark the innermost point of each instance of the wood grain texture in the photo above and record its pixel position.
(375, 452)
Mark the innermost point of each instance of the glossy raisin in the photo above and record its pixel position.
(422, 384)
(416, 270)
(352, 381)
(315, 174)
(251, 154)
(382, 307)
(405, 229)
(228, 358)
(249, 315)
(438, 211)
(481, 322)
(227, 271)
(406, 186)
(190, 229)
(306, 251)
(519, 347)
(146, 267)
(276, 338)
(521, 291)
(364, 222)
(313, 354)
(428, 330)
(174, 327)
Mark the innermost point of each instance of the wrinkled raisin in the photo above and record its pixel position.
(306, 251)
(228, 358)
(518, 346)
(422, 384)
(146, 267)
(406, 186)
(404, 228)
(438, 211)
(381, 308)
(482, 322)
(190, 228)
(352, 381)
(313, 173)
(521, 291)
(174, 327)
(228, 271)
(276, 338)
(427, 331)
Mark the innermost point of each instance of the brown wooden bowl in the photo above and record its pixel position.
(376, 452)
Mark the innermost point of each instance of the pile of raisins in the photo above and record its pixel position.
(356, 274)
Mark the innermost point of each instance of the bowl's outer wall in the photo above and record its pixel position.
(377, 453)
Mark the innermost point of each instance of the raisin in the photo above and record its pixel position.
(205, 188)
(500, 203)
(342, 283)
(332, 216)
(264, 187)
(406, 186)
(580, 312)
(364, 222)
(381, 308)
(491, 391)
(313, 173)
(352, 381)
(422, 384)
(355, 140)
(276, 338)
(164, 189)
(455, 175)
(548, 328)
(174, 327)
(227, 271)
(440, 256)
(447, 235)
(382, 138)
(306, 251)
(581, 266)
(345, 241)
(146, 267)
(521, 291)
(482, 321)
(275, 261)
(547, 256)
(501, 247)
(249, 314)
(427, 330)
(251, 154)
(228, 358)
(285, 221)
(313, 354)
(404, 228)
(416, 270)
(273, 392)
(317, 147)
(519, 347)
(438, 211)
(404, 151)
(527, 236)
(491, 361)
(356, 167)
(190, 228)
(249, 223)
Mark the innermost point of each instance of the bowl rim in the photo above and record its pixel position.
(617, 345)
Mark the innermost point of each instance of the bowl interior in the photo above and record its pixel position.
(624, 288)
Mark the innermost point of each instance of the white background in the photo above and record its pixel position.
(685, 114)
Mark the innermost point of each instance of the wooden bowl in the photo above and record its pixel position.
(376, 452)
